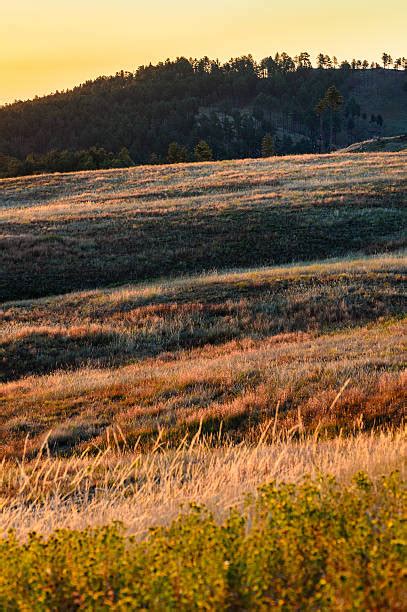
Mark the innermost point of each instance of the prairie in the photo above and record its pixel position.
(223, 348)
(226, 347)
(115, 326)
(227, 335)
(62, 233)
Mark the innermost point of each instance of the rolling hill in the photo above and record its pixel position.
(390, 143)
(133, 275)
(203, 386)
(71, 232)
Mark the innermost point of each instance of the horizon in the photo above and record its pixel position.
(47, 48)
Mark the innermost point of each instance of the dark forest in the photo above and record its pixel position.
(196, 110)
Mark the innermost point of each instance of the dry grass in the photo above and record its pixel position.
(390, 143)
(238, 383)
(60, 233)
(225, 347)
(267, 362)
(114, 327)
(143, 490)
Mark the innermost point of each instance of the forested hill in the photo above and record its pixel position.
(239, 109)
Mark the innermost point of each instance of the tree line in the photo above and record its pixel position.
(189, 110)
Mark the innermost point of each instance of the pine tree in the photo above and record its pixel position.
(203, 152)
(387, 60)
(267, 146)
(154, 159)
(333, 101)
(398, 63)
(124, 158)
(320, 110)
(176, 153)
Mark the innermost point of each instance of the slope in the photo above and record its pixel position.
(70, 232)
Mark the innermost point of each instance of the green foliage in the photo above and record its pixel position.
(203, 152)
(333, 98)
(231, 106)
(267, 146)
(123, 160)
(332, 101)
(315, 546)
(176, 153)
(95, 158)
(11, 166)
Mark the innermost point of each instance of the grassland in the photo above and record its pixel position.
(178, 335)
(62, 233)
(225, 348)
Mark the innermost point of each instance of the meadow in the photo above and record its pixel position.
(226, 348)
(203, 386)
(63, 233)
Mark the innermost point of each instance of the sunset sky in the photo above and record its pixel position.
(54, 44)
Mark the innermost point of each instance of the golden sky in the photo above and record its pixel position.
(47, 45)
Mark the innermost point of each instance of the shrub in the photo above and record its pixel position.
(319, 545)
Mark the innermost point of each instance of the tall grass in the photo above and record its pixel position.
(116, 326)
(238, 383)
(145, 489)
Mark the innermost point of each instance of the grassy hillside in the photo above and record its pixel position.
(239, 385)
(226, 348)
(390, 143)
(230, 335)
(80, 231)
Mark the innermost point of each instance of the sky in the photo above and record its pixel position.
(49, 45)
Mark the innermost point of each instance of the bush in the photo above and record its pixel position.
(314, 546)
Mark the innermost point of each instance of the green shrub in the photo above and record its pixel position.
(315, 546)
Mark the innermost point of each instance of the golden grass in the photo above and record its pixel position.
(111, 327)
(238, 383)
(146, 489)
(267, 359)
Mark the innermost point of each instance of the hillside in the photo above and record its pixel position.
(132, 118)
(382, 93)
(203, 386)
(390, 143)
(225, 348)
(62, 233)
(208, 343)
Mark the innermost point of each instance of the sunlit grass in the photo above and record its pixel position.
(141, 489)
(62, 233)
(239, 383)
(185, 340)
